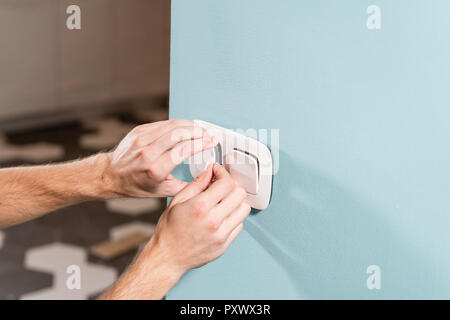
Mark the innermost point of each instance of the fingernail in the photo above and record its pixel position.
(200, 176)
(204, 172)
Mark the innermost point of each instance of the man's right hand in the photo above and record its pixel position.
(202, 220)
(200, 223)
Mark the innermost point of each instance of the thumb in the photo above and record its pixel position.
(195, 187)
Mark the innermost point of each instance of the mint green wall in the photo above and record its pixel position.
(364, 119)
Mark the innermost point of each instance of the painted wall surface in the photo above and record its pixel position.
(364, 154)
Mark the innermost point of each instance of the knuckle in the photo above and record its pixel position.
(199, 209)
(139, 142)
(154, 173)
(145, 156)
(213, 225)
(218, 239)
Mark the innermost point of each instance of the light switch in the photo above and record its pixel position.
(248, 160)
(243, 167)
(200, 161)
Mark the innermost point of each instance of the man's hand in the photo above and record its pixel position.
(201, 222)
(141, 165)
(198, 226)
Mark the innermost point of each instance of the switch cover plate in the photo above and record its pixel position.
(248, 160)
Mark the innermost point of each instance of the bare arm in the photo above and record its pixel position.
(29, 192)
(198, 226)
(139, 167)
(202, 220)
(149, 277)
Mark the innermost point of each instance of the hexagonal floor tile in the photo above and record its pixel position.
(56, 258)
(33, 152)
(132, 227)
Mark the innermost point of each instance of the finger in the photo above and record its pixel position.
(182, 151)
(148, 129)
(175, 136)
(149, 126)
(235, 218)
(220, 172)
(171, 186)
(220, 188)
(228, 205)
(149, 132)
(168, 124)
(195, 187)
(233, 235)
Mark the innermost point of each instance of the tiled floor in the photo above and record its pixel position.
(58, 259)
(35, 256)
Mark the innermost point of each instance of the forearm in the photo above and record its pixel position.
(29, 192)
(150, 277)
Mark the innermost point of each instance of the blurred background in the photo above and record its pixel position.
(66, 94)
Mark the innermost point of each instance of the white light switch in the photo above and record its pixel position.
(243, 168)
(200, 161)
(248, 160)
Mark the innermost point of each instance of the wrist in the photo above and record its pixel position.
(106, 182)
(160, 257)
(151, 276)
